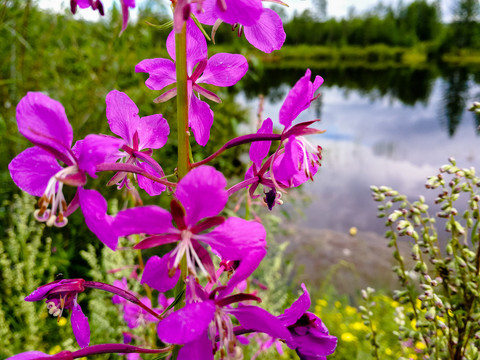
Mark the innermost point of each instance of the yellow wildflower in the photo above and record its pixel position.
(420, 345)
(62, 321)
(359, 326)
(322, 303)
(56, 349)
(350, 310)
(348, 337)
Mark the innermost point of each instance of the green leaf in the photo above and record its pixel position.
(177, 299)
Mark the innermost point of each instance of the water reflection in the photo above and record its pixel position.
(385, 128)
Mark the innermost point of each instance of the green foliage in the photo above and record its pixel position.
(441, 290)
(347, 321)
(26, 260)
(406, 26)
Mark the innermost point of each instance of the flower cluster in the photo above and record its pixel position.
(203, 256)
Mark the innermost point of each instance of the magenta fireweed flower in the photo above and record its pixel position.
(199, 197)
(299, 153)
(263, 28)
(139, 134)
(61, 295)
(220, 70)
(309, 335)
(97, 5)
(298, 160)
(204, 324)
(36, 170)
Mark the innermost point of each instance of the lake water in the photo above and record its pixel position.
(377, 136)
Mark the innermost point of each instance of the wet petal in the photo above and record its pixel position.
(156, 274)
(267, 33)
(202, 193)
(122, 115)
(80, 326)
(143, 220)
(43, 121)
(235, 238)
(32, 169)
(94, 209)
(224, 69)
(198, 349)
(200, 118)
(161, 72)
(153, 131)
(253, 317)
(259, 149)
(94, 150)
(196, 45)
(187, 324)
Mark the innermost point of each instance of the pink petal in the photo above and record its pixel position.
(259, 149)
(143, 220)
(187, 324)
(198, 349)
(94, 209)
(152, 188)
(202, 193)
(153, 131)
(155, 273)
(42, 291)
(161, 72)
(245, 12)
(297, 309)
(297, 100)
(122, 115)
(253, 317)
(32, 169)
(196, 45)
(200, 118)
(28, 355)
(286, 164)
(80, 326)
(224, 69)
(94, 150)
(43, 121)
(267, 33)
(236, 237)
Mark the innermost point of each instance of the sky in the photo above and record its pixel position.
(336, 8)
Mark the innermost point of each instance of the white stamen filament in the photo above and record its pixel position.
(307, 148)
(226, 336)
(185, 247)
(53, 196)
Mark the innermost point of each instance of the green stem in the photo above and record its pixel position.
(183, 161)
(183, 165)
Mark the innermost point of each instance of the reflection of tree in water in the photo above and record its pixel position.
(454, 97)
(405, 84)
